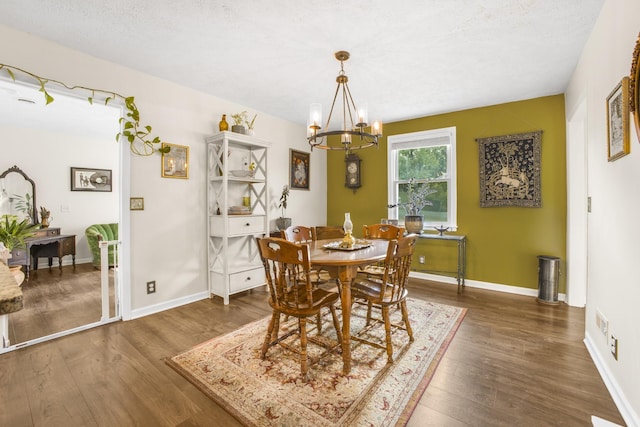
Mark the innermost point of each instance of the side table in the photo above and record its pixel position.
(462, 256)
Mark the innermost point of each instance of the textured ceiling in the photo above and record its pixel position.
(409, 58)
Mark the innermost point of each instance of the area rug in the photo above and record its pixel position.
(271, 392)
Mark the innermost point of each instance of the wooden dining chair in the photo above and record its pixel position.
(301, 234)
(284, 264)
(391, 290)
(296, 233)
(325, 232)
(382, 231)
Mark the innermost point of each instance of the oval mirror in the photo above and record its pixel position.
(18, 195)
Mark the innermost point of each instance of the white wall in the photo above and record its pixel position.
(168, 242)
(613, 224)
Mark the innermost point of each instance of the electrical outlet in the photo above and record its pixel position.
(421, 259)
(614, 346)
(151, 287)
(602, 323)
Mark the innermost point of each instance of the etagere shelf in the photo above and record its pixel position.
(237, 180)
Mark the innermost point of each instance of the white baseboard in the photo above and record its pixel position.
(157, 308)
(66, 260)
(518, 290)
(626, 410)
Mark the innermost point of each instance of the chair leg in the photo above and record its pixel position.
(302, 322)
(405, 318)
(267, 338)
(387, 330)
(276, 328)
(336, 323)
(319, 322)
(369, 307)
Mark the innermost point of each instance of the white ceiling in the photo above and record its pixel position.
(409, 58)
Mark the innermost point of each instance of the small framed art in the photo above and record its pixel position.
(175, 163)
(89, 179)
(136, 203)
(618, 121)
(299, 170)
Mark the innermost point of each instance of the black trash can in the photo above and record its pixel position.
(548, 278)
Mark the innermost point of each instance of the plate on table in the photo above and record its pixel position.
(336, 246)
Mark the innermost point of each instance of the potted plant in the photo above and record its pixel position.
(283, 222)
(12, 236)
(13, 232)
(416, 201)
(239, 120)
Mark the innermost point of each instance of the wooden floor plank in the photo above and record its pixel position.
(512, 362)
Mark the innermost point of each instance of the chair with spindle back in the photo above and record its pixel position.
(285, 263)
(390, 290)
(325, 232)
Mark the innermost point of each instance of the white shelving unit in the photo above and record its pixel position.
(233, 256)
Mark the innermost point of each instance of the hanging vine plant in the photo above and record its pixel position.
(139, 137)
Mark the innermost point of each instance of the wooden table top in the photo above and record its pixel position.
(332, 257)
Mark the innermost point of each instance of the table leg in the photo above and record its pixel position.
(345, 298)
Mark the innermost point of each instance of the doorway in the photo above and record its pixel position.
(577, 207)
(47, 141)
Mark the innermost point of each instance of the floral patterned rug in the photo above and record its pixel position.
(271, 392)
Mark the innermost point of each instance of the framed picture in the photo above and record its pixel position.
(634, 86)
(299, 170)
(88, 179)
(175, 163)
(510, 170)
(618, 121)
(136, 204)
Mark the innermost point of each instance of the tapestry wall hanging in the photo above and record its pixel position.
(510, 170)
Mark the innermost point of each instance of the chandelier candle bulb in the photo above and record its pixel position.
(376, 128)
(315, 117)
(363, 115)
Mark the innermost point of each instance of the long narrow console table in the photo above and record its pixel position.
(47, 243)
(462, 256)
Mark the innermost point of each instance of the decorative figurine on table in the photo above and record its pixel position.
(441, 229)
(348, 241)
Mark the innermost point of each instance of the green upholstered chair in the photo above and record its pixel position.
(97, 232)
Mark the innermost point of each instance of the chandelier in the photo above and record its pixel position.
(353, 135)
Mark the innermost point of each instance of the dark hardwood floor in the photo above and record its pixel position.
(513, 362)
(56, 300)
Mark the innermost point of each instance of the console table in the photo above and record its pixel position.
(46, 243)
(462, 256)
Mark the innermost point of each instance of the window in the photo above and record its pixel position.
(424, 158)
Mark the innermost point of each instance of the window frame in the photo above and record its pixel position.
(423, 139)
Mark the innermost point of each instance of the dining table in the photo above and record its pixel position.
(343, 264)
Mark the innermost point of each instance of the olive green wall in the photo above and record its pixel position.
(502, 242)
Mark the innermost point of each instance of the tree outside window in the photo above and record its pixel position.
(424, 159)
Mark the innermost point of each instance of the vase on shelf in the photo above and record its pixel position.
(223, 125)
(45, 221)
(239, 129)
(413, 223)
(348, 229)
